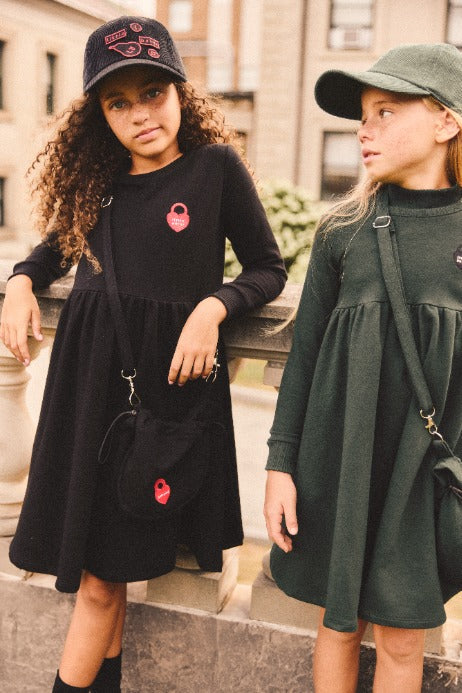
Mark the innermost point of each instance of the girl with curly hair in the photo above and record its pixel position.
(143, 140)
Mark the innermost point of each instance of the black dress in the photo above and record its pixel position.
(169, 229)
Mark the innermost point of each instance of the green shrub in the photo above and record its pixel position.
(293, 215)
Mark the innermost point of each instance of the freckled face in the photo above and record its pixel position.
(143, 111)
(398, 140)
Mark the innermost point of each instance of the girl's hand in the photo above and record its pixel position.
(20, 309)
(195, 351)
(280, 501)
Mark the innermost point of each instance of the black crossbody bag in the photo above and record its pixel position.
(162, 464)
(447, 470)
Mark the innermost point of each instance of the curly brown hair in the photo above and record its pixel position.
(78, 166)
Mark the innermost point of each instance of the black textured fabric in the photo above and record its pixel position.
(109, 676)
(61, 687)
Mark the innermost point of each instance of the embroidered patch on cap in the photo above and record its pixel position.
(458, 257)
(130, 49)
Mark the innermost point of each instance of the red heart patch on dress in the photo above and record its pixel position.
(161, 491)
(178, 220)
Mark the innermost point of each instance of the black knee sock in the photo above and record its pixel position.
(61, 687)
(109, 676)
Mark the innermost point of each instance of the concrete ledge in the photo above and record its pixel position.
(194, 588)
(172, 649)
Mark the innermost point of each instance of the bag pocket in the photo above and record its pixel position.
(164, 467)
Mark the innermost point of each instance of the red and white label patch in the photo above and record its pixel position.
(161, 491)
(178, 220)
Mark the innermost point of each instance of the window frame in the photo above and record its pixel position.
(451, 5)
(327, 193)
(353, 44)
(51, 62)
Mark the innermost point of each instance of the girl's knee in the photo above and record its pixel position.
(401, 644)
(101, 593)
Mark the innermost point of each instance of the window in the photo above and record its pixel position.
(340, 163)
(2, 202)
(50, 83)
(454, 23)
(180, 16)
(350, 24)
(220, 64)
(2, 51)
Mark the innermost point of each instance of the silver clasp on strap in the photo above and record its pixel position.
(379, 224)
(133, 397)
(106, 201)
(214, 372)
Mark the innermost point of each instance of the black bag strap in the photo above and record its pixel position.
(391, 269)
(128, 371)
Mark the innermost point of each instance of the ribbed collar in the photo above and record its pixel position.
(423, 199)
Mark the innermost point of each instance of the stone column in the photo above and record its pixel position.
(16, 436)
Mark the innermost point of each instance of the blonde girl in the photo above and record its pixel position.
(349, 501)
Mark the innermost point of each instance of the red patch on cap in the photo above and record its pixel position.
(110, 38)
(136, 27)
(153, 53)
(128, 50)
(148, 41)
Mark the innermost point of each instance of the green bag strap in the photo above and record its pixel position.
(391, 270)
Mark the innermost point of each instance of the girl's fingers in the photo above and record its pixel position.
(175, 366)
(210, 358)
(186, 369)
(275, 530)
(290, 516)
(36, 325)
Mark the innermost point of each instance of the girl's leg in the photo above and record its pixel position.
(336, 659)
(399, 659)
(95, 630)
(109, 676)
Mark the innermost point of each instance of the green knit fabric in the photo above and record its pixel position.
(348, 430)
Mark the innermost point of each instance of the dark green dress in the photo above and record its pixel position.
(348, 429)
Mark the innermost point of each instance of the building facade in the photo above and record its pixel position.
(219, 41)
(41, 59)
(263, 56)
(303, 38)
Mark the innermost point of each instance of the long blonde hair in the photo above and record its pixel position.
(356, 205)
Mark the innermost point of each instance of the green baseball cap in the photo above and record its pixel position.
(415, 69)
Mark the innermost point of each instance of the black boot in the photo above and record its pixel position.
(109, 676)
(61, 687)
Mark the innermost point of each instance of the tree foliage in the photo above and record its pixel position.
(293, 216)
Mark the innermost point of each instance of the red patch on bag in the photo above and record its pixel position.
(178, 221)
(161, 491)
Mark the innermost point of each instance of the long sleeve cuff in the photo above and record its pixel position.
(282, 456)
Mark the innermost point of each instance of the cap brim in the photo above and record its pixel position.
(339, 92)
(178, 77)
